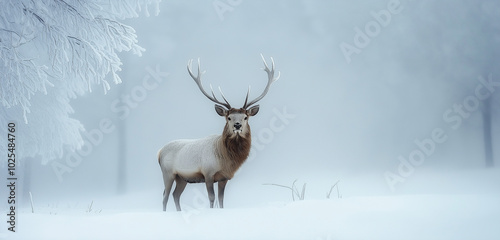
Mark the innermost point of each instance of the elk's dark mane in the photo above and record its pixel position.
(233, 150)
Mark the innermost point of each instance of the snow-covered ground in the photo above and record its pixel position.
(454, 205)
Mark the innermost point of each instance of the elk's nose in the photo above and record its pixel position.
(237, 126)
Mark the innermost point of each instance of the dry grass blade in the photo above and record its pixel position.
(331, 189)
(31, 201)
(293, 189)
(283, 186)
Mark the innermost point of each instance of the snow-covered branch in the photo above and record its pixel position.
(55, 50)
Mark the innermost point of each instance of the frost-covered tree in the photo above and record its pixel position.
(52, 51)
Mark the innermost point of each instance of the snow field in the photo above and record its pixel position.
(400, 217)
(469, 211)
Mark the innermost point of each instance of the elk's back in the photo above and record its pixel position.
(190, 157)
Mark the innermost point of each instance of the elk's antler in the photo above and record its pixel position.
(270, 80)
(197, 79)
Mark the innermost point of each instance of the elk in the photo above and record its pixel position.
(215, 158)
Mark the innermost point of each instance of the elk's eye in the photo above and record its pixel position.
(246, 118)
(229, 118)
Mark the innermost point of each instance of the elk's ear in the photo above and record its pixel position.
(253, 110)
(220, 110)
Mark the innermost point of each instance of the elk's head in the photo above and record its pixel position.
(236, 118)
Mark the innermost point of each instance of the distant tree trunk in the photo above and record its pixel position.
(26, 166)
(487, 133)
(122, 148)
(122, 159)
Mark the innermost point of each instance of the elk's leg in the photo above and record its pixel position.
(168, 181)
(210, 189)
(222, 186)
(180, 184)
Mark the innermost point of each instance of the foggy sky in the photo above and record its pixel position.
(349, 117)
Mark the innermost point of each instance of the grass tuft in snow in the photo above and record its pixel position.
(295, 191)
(331, 189)
(90, 207)
(89, 210)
